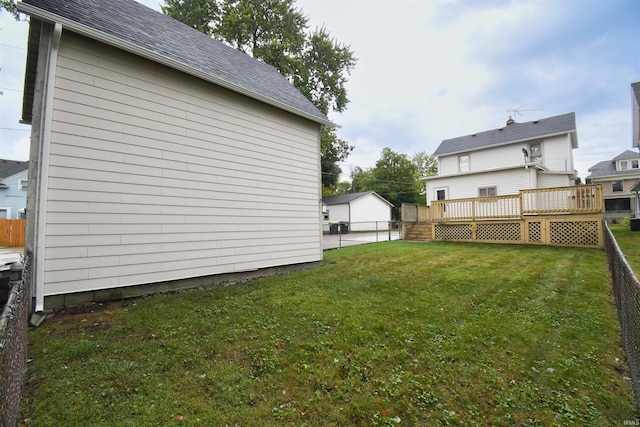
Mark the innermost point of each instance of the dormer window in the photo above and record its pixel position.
(624, 165)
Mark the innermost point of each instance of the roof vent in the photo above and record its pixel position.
(510, 121)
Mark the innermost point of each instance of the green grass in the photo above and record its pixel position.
(395, 333)
(629, 242)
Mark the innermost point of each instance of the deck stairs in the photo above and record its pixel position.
(420, 231)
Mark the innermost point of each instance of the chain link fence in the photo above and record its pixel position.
(626, 289)
(342, 234)
(13, 342)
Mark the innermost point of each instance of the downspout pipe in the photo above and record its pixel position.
(45, 152)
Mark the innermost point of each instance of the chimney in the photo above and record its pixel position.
(510, 121)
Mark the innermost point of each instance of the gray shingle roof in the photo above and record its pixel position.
(565, 123)
(132, 26)
(341, 199)
(608, 167)
(636, 90)
(11, 167)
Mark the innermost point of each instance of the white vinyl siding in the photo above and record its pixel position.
(557, 153)
(368, 212)
(553, 180)
(466, 186)
(155, 175)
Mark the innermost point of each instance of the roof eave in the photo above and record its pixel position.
(161, 59)
(574, 142)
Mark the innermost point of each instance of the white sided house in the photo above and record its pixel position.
(536, 154)
(366, 211)
(620, 179)
(159, 155)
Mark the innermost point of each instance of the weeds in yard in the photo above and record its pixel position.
(389, 334)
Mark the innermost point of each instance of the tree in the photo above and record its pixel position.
(10, 6)
(394, 177)
(274, 31)
(427, 164)
(198, 14)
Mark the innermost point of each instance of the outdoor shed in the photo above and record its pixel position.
(366, 211)
(160, 158)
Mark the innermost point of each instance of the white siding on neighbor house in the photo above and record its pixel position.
(369, 213)
(465, 186)
(338, 212)
(448, 165)
(155, 175)
(488, 158)
(557, 153)
(547, 180)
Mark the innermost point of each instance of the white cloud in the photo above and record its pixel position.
(431, 70)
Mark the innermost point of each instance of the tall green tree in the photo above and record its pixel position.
(199, 14)
(395, 177)
(275, 32)
(426, 163)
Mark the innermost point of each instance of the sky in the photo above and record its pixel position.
(430, 70)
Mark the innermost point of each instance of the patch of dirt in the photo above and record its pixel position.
(81, 310)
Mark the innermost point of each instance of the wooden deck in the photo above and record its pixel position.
(561, 216)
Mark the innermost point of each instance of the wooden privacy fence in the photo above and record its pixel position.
(12, 232)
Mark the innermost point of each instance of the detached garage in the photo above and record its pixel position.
(366, 211)
(160, 158)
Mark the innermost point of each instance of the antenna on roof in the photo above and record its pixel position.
(518, 111)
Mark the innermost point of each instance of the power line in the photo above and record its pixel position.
(21, 130)
(12, 46)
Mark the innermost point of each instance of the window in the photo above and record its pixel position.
(634, 164)
(463, 163)
(535, 153)
(22, 184)
(617, 204)
(617, 186)
(441, 194)
(624, 165)
(487, 191)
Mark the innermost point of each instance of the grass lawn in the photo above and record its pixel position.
(629, 242)
(395, 333)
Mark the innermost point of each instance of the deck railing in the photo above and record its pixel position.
(579, 199)
(415, 213)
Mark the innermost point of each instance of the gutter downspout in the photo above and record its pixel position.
(46, 121)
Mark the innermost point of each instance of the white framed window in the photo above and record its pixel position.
(463, 163)
(22, 184)
(635, 164)
(623, 165)
(487, 191)
(617, 186)
(535, 153)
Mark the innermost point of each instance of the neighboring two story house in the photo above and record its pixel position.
(536, 154)
(618, 177)
(13, 188)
